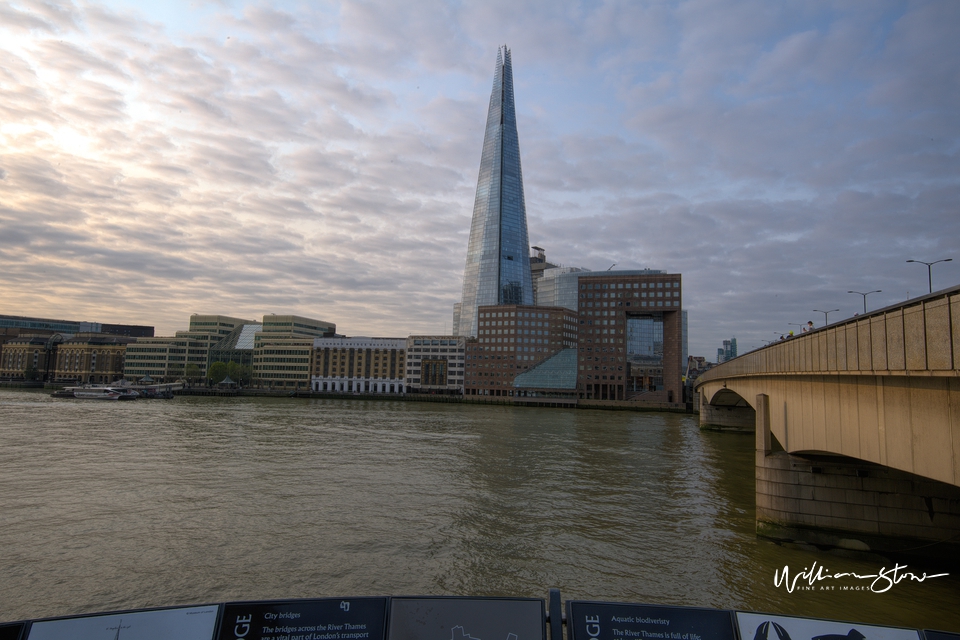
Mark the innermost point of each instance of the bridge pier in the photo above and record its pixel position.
(840, 502)
(734, 414)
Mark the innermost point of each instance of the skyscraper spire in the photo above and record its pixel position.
(498, 253)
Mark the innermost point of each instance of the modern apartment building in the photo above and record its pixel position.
(358, 365)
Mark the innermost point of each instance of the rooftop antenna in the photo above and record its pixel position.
(611, 266)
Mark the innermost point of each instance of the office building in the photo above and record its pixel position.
(215, 324)
(511, 340)
(74, 326)
(297, 326)
(630, 336)
(236, 346)
(435, 364)
(497, 269)
(283, 349)
(538, 264)
(185, 355)
(165, 359)
(728, 351)
(358, 365)
(558, 287)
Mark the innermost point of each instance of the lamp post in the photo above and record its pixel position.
(930, 270)
(864, 297)
(826, 315)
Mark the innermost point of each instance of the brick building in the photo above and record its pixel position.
(630, 322)
(510, 340)
(91, 358)
(28, 354)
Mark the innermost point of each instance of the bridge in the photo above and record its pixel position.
(857, 428)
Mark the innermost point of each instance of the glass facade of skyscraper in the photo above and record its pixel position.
(497, 269)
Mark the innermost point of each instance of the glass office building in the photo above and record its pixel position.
(497, 270)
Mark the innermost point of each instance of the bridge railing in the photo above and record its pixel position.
(918, 337)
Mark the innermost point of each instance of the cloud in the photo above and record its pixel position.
(323, 161)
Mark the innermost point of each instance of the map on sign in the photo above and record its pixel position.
(457, 633)
(190, 623)
(466, 619)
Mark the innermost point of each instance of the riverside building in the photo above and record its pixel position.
(186, 354)
(435, 364)
(91, 358)
(283, 349)
(74, 326)
(29, 355)
(358, 365)
(511, 339)
(630, 327)
(497, 269)
(165, 359)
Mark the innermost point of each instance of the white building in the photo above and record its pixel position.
(358, 365)
(435, 364)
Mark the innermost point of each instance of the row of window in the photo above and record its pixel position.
(630, 285)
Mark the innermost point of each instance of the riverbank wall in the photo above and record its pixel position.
(545, 401)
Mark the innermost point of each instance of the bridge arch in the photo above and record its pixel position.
(725, 408)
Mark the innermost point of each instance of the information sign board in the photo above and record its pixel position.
(184, 623)
(762, 626)
(319, 619)
(612, 621)
(467, 619)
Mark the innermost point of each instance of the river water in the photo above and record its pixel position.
(107, 506)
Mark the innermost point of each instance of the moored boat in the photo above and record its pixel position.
(97, 392)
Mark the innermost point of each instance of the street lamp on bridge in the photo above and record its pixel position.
(826, 315)
(930, 271)
(865, 297)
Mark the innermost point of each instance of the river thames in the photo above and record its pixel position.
(107, 506)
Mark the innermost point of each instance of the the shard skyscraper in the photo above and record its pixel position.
(498, 254)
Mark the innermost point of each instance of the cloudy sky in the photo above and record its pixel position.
(168, 158)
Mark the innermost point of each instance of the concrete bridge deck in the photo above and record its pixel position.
(873, 402)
